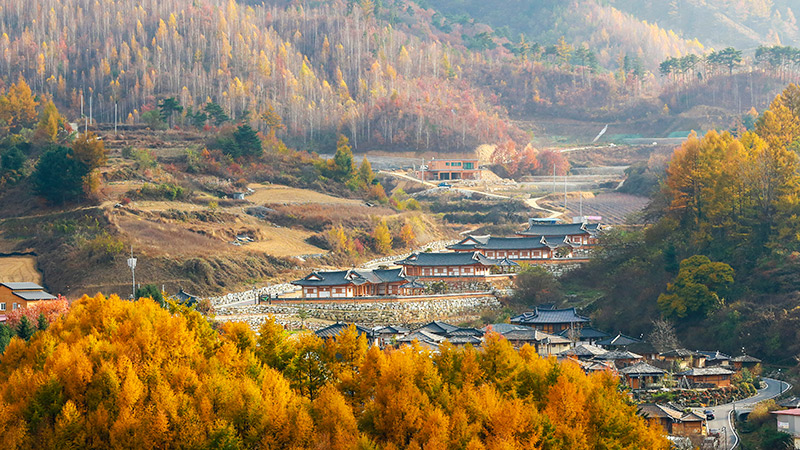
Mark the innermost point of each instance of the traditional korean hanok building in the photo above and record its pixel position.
(618, 341)
(716, 358)
(544, 343)
(352, 283)
(574, 233)
(333, 331)
(551, 321)
(621, 358)
(425, 338)
(583, 352)
(447, 266)
(451, 169)
(684, 358)
(585, 334)
(390, 335)
(708, 376)
(788, 421)
(745, 362)
(517, 249)
(21, 295)
(672, 420)
(642, 375)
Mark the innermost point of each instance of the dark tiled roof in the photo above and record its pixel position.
(667, 411)
(642, 368)
(620, 340)
(504, 327)
(387, 275)
(682, 353)
(34, 295)
(183, 296)
(547, 316)
(464, 340)
(500, 243)
(584, 350)
(393, 329)
(22, 286)
(437, 327)
(352, 276)
(422, 336)
(447, 259)
(715, 355)
(746, 359)
(332, 331)
(534, 336)
(586, 333)
(617, 354)
(465, 332)
(703, 371)
(559, 229)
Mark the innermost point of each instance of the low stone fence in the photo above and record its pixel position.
(370, 311)
(264, 291)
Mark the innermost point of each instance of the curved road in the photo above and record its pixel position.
(722, 413)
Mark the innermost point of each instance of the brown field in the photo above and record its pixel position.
(166, 237)
(274, 193)
(19, 268)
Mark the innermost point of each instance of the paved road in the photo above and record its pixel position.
(722, 413)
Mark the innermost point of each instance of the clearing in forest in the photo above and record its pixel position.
(18, 269)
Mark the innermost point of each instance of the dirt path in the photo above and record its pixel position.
(533, 203)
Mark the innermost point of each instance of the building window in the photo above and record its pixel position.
(14, 306)
(2, 306)
(469, 166)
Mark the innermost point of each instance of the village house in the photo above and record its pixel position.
(745, 362)
(390, 335)
(517, 249)
(352, 283)
(584, 334)
(788, 421)
(707, 377)
(672, 420)
(21, 295)
(451, 169)
(551, 321)
(471, 266)
(642, 375)
(582, 352)
(544, 343)
(573, 233)
(716, 358)
(333, 331)
(683, 358)
(621, 358)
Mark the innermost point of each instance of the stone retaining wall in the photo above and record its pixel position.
(367, 313)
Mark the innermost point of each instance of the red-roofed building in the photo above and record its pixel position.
(789, 422)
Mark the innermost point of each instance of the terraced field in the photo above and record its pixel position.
(613, 207)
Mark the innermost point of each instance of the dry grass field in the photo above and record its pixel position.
(274, 193)
(19, 268)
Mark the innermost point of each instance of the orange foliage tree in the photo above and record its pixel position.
(123, 374)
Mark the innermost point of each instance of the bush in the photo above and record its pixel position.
(168, 191)
(105, 247)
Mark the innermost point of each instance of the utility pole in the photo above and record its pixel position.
(132, 265)
(554, 178)
(115, 118)
(565, 192)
